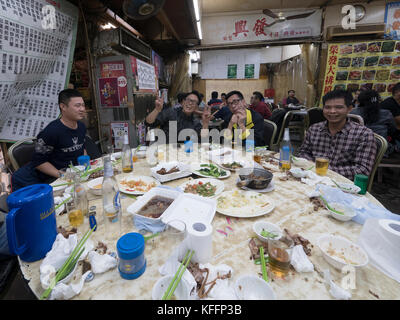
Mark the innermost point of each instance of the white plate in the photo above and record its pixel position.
(92, 183)
(215, 182)
(271, 187)
(252, 204)
(126, 189)
(196, 167)
(184, 171)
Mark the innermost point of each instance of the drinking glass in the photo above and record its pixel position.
(321, 166)
(175, 232)
(280, 253)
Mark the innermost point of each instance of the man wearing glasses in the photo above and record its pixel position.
(184, 117)
(349, 146)
(244, 119)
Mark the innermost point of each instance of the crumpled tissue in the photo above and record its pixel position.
(64, 291)
(300, 261)
(101, 262)
(364, 208)
(311, 179)
(336, 291)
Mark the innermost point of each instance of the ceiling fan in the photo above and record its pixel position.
(142, 9)
(281, 18)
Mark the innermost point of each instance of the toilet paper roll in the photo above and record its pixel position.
(391, 230)
(199, 239)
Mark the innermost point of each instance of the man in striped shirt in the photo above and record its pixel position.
(349, 146)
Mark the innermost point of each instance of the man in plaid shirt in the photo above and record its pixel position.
(349, 146)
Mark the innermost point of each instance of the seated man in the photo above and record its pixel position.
(257, 104)
(244, 119)
(57, 145)
(291, 99)
(184, 116)
(349, 146)
(393, 104)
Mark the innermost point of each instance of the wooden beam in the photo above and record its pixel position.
(163, 18)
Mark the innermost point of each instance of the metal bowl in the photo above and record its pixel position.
(247, 175)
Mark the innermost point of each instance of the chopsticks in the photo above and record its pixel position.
(263, 266)
(68, 265)
(178, 275)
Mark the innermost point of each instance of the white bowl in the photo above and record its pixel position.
(92, 183)
(349, 213)
(250, 287)
(270, 227)
(334, 248)
(182, 291)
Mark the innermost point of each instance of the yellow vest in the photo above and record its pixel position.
(249, 125)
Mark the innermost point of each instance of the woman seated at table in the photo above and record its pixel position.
(182, 118)
(379, 120)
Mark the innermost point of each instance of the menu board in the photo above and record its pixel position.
(373, 65)
(37, 40)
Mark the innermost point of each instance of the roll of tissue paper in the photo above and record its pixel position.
(199, 239)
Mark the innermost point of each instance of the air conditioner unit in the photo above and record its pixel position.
(371, 30)
(123, 42)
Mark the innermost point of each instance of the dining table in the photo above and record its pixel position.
(293, 211)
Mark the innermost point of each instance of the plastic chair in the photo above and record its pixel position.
(270, 130)
(20, 153)
(381, 145)
(285, 123)
(315, 115)
(356, 118)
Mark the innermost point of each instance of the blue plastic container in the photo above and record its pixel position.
(84, 161)
(31, 222)
(188, 146)
(130, 248)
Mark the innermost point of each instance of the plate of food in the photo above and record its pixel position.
(209, 170)
(204, 187)
(137, 185)
(168, 171)
(232, 165)
(244, 204)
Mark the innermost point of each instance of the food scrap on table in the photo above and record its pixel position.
(297, 239)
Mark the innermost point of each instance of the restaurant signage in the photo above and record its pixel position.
(373, 65)
(225, 29)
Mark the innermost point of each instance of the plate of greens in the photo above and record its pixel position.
(209, 170)
(204, 187)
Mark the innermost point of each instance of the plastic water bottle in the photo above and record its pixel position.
(127, 161)
(111, 201)
(285, 154)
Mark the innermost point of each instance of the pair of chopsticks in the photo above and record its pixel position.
(68, 265)
(263, 265)
(178, 275)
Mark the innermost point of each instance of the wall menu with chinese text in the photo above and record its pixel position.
(373, 65)
(37, 41)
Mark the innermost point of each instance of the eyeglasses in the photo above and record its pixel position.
(190, 101)
(336, 107)
(234, 102)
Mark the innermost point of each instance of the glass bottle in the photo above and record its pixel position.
(152, 151)
(127, 161)
(111, 201)
(285, 152)
(79, 206)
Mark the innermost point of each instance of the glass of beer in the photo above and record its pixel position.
(257, 156)
(280, 253)
(321, 166)
(75, 214)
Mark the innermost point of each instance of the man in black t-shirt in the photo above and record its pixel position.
(60, 143)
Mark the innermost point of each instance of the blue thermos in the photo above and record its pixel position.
(31, 222)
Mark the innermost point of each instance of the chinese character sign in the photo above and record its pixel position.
(372, 65)
(116, 69)
(258, 27)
